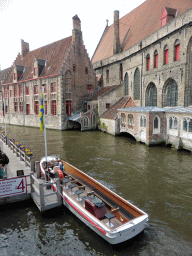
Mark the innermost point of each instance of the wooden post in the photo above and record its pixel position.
(59, 197)
(41, 192)
(37, 169)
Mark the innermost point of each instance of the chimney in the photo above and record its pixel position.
(24, 48)
(76, 28)
(116, 41)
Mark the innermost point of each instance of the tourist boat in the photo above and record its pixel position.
(109, 215)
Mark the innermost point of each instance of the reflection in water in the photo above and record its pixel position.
(157, 179)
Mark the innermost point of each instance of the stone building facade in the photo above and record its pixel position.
(156, 69)
(62, 68)
(149, 53)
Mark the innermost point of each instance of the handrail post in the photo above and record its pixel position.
(32, 164)
(37, 168)
(59, 198)
(41, 191)
(32, 182)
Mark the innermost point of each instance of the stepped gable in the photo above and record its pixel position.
(100, 92)
(124, 102)
(3, 74)
(53, 53)
(138, 24)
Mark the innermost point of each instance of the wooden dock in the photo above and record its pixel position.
(37, 188)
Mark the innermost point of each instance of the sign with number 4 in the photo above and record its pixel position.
(13, 186)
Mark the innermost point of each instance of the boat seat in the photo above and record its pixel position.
(71, 186)
(65, 181)
(109, 216)
(79, 192)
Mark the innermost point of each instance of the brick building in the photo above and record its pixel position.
(65, 71)
(148, 53)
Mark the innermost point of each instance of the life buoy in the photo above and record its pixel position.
(59, 174)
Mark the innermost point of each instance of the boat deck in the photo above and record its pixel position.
(85, 194)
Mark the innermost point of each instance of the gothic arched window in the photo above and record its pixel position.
(170, 94)
(151, 95)
(136, 93)
(126, 84)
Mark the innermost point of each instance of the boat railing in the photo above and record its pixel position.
(39, 191)
(28, 160)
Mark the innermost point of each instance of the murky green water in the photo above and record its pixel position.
(156, 179)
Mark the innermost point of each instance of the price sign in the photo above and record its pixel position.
(13, 186)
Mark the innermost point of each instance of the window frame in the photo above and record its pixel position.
(36, 107)
(53, 108)
(147, 62)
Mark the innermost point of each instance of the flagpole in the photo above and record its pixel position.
(43, 127)
(45, 136)
(4, 114)
(45, 139)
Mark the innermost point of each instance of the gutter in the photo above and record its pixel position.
(32, 79)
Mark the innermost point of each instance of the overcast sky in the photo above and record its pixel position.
(41, 22)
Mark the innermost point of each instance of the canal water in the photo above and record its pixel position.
(156, 179)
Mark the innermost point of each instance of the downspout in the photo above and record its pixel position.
(142, 79)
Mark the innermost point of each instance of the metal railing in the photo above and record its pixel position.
(39, 189)
(29, 161)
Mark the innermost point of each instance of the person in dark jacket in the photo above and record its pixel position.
(3, 161)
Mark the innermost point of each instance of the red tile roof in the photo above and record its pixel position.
(142, 21)
(124, 102)
(101, 91)
(54, 54)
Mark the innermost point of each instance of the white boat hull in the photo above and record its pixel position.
(113, 236)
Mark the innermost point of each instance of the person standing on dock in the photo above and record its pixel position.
(4, 160)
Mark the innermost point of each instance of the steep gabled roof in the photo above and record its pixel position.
(101, 91)
(138, 24)
(3, 74)
(54, 54)
(122, 103)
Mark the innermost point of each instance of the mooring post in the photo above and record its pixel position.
(57, 181)
(37, 169)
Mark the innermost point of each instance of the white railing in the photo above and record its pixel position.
(29, 161)
(39, 189)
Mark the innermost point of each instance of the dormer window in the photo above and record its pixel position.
(167, 15)
(39, 66)
(18, 72)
